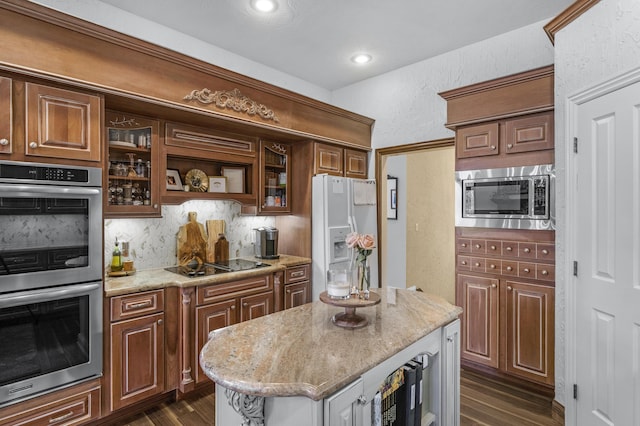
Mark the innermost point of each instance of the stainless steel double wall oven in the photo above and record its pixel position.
(51, 273)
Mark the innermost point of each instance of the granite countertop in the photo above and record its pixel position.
(300, 352)
(153, 279)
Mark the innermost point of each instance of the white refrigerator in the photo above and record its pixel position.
(340, 206)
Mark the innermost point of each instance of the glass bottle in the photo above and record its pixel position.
(116, 258)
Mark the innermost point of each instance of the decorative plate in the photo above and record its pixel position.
(197, 180)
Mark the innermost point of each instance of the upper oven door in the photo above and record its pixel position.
(51, 235)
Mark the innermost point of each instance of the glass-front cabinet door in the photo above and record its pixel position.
(274, 197)
(131, 170)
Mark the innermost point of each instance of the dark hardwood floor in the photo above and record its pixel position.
(482, 403)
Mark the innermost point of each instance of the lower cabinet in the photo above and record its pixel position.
(509, 326)
(77, 405)
(136, 348)
(297, 286)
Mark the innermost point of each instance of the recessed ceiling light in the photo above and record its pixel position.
(264, 5)
(361, 58)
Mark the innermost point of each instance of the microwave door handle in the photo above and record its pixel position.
(42, 295)
(44, 189)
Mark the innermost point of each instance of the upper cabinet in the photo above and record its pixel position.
(504, 122)
(339, 161)
(6, 116)
(131, 170)
(62, 123)
(275, 159)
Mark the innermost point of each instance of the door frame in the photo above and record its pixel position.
(573, 103)
(380, 176)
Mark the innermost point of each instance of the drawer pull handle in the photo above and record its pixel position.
(139, 305)
(493, 247)
(4, 142)
(478, 246)
(492, 266)
(477, 264)
(509, 248)
(362, 400)
(526, 270)
(509, 268)
(544, 272)
(464, 262)
(509, 288)
(297, 274)
(527, 250)
(545, 251)
(61, 418)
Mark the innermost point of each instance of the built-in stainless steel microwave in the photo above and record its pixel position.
(513, 197)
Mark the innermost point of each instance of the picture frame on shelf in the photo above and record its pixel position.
(235, 179)
(217, 184)
(392, 198)
(174, 183)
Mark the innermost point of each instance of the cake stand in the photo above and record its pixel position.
(349, 318)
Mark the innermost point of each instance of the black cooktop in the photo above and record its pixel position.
(205, 269)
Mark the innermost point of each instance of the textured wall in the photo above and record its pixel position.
(431, 222)
(394, 231)
(601, 44)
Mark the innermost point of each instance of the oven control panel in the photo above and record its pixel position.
(11, 171)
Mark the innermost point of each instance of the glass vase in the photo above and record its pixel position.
(364, 274)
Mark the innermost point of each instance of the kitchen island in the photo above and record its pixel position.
(296, 367)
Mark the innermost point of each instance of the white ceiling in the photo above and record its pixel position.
(315, 39)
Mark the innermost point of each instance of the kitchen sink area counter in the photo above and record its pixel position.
(300, 353)
(153, 279)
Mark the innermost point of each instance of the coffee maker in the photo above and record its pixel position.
(266, 243)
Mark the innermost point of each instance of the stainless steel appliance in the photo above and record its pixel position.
(514, 197)
(266, 243)
(50, 277)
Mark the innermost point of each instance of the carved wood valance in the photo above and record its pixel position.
(232, 99)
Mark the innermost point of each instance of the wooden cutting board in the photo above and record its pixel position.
(192, 241)
(214, 228)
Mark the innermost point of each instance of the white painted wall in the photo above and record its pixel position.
(396, 230)
(602, 43)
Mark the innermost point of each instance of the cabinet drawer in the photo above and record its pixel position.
(509, 248)
(297, 273)
(546, 252)
(81, 408)
(138, 304)
(494, 248)
(203, 139)
(526, 270)
(216, 292)
(463, 245)
(527, 250)
(509, 268)
(478, 246)
(464, 263)
(477, 264)
(545, 272)
(493, 266)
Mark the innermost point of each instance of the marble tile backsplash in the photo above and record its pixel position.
(153, 241)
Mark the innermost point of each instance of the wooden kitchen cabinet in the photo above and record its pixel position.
(6, 116)
(137, 348)
(505, 285)
(131, 169)
(355, 163)
(477, 141)
(339, 161)
(275, 175)
(62, 124)
(76, 405)
(297, 286)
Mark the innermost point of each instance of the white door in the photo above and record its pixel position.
(607, 247)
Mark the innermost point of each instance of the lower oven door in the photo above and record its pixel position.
(49, 338)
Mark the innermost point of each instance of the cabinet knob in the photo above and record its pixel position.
(33, 145)
(544, 272)
(464, 245)
(288, 291)
(492, 266)
(545, 251)
(493, 247)
(526, 270)
(509, 288)
(464, 262)
(155, 206)
(493, 147)
(527, 250)
(510, 145)
(4, 142)
(245, 304)
(509, 248)
(493, 286)
(362, 400)
(509, 268)
(477, 264)
(232, 307)
(159, 322)
(478, 246)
